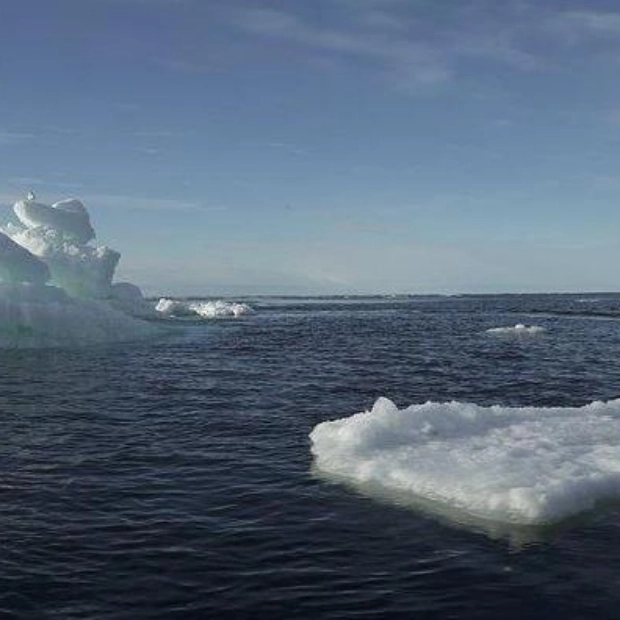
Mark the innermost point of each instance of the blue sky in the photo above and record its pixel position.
(250, 146)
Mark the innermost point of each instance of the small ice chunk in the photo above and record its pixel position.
(517, 329)
(173, 307)
(204, 309)
(214, 309)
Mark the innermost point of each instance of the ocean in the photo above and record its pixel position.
(174, 477)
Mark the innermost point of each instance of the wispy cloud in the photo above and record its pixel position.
(147, 150)
(426, 44)
(287, 148)
(191, 67)
(9, 138)
(159, 133)
(416, 60)
(151, 2)
(142, 203)
(27, 181)
(111, 201)
(21, 184)
(588, 23)
(418, 46)
(60, 131)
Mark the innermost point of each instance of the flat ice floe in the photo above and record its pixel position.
(525, 465)
(517, 329)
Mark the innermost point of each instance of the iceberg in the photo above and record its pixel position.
(507, 465)
(56, 289)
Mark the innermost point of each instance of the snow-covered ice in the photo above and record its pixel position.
(56, 289)
(514, 465)
(68, 217)
(203, 309)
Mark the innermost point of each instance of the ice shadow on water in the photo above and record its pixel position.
(518, 536)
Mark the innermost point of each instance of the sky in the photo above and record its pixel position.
(327, 146)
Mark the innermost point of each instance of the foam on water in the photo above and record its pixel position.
(525, 465)
(203, 309)
(517, 329)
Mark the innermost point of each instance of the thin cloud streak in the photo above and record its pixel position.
(141, 203)
(419, 62)
(590, 23)
(413, 48)
(9, 138)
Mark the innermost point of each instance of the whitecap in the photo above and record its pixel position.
(202, 309)
(518, 329)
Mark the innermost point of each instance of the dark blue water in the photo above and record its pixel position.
(173, 479)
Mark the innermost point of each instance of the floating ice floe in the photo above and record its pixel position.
(204, 309)
(513, 465)
(517, 329)
(56, 289)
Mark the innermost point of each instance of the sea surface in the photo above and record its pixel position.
(173, 478)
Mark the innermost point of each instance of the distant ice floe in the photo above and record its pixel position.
(204, 309)
(510, 465)
(56, 289)
(517, 329)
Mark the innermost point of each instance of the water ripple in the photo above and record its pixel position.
(175, 480)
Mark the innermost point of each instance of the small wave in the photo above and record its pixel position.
(519, 328)
(526, 465)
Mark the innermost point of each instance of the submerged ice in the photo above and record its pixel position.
(525, 465)
(56, 288)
